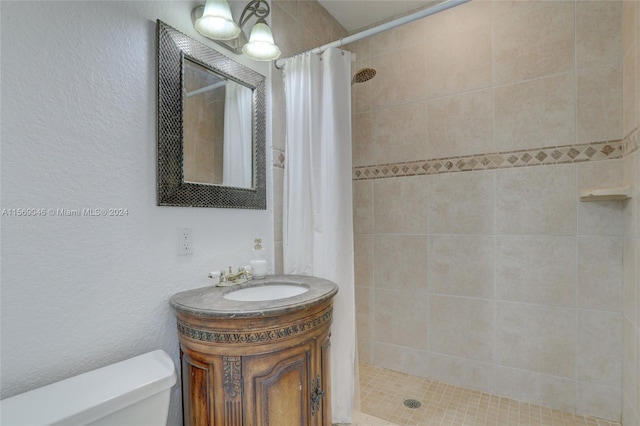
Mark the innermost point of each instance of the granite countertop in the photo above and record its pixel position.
(208, 302)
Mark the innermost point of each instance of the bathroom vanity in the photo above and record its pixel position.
(257, 353)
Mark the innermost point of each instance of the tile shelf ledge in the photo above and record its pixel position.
(606, 194)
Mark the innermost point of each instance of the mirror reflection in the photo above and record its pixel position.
(217, 148)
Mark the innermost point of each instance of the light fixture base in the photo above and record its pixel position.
(235, 45)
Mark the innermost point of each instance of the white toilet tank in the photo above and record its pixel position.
(135, 391)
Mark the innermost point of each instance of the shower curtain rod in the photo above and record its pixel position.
(447, 4)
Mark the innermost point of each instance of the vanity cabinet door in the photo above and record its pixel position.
(277, 387)
(324, 372)
(197, 393)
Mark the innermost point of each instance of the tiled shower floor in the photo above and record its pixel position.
(382, 393)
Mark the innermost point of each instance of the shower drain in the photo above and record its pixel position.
(412, 403)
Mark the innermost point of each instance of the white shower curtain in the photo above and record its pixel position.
(318, 219)
(237, 154)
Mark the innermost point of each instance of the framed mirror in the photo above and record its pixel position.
(211, 127)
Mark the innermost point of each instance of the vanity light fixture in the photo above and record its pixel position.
(214, 21)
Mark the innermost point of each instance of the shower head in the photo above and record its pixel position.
(362, 75)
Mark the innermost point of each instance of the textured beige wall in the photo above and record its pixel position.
(499, 279)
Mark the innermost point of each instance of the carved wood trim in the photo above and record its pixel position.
(232, 384)
(232, 375)
(262, 336)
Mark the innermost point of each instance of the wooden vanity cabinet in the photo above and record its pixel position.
(259, 370)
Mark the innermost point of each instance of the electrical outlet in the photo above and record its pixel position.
(185, 242)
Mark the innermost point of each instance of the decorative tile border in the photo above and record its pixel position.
(631, 143)
(594, 151)
(278, 158)
(501, 160)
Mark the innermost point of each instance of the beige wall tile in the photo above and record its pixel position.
(599, 346)
(307, 40)
(635, 230)
(537, 338)
(316, 20)
(629, 274)
(278, 267)
(548, 391)
(598, 33)
(394, 311)
(629, 10)
(536, 200)
(600, 218)
(363, 259)
(365, 351)
(629, 416)
(599, 110)
(600, 273)
(461, 265)
(458, 19)
(637, 375)
(400, 262)
(629, 360)
(278, 185)
(532, 39)
(600, 174)
(337, 30)
(285, 28)
(363, 207)
(278, 111)
(638, 285)
(461, 124)
(399, 133)
(629, 102)
(402, 359)
(461, 327)
(536, 269)
(364, 318)
(401, 77)
(361, 48)
(361, 93)
(459, 62)
(599, 401)
(400, 37)
(462, 203)
(536, 113)
(290, 6)
(361, 149)
(400, 205)
(559, 106)
(630, 208)
(462, 372)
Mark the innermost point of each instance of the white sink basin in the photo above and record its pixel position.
(265, 292)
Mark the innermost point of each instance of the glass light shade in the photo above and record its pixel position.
(261, 46)
(216, 21)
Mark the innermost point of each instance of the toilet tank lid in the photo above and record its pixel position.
(84, 398)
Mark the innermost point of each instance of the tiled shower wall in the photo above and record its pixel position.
(297, 26)
(631, 219)
(499, 278)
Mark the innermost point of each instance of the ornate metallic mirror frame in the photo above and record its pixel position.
(172, 190)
